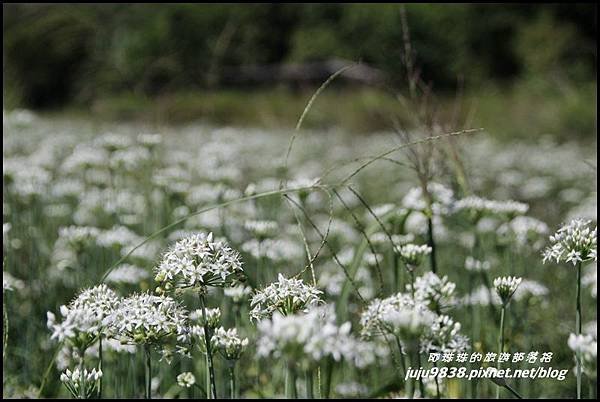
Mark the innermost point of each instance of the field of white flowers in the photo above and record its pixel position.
(194, 262)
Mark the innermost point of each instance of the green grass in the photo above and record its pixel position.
(564, 111)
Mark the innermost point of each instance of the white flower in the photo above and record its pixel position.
(261, 229)
(213, 317)
(147, 319)
(587, 347)
(413, 254)
(481, 296)
(228, 343)
(305, 338)
(149, 139)
(288, 296)
(198, 261)
(441, 197)
(371, 318)
(238, 293)
(524, 230)
(351, 389)
(434, 292)
(11, 283)
(590, 279)
(472, 264)
(186, 379)
(506, 286)
(407, 323)
(81, 384)
(574, 242)
(479, 207)
(127, 273)
(529, 288)
(445, 337)
(83, 317)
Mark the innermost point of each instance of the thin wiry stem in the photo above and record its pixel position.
(361, 229)
(335, 257)
(199, 212)
(48, 369)
(305, 112)
(406, 145)
(374, 215)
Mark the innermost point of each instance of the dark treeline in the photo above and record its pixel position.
(58, 54)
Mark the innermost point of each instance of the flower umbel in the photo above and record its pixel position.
(506, 286)
(288, 296)
(228, 343)
(574, 242)
(147, 319)
(186, 379)
(413, 254)
(81, 385)
(199, 261)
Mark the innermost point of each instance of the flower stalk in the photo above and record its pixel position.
(148, 377)
(209, 359)
(500, 344)
(578, 326)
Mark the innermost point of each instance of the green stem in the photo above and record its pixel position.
(401, 359)
(309, 384)
(437, 386)
(48, 369)
(82, 378)
(394, 259)
(578, 325)
(100, 366)
(5, 329)
(512, 391)
(328, 376)
(232, 392)
(500, 344)
(410, 391)
(320, 396)
(412, 281)
(207, 336)
(148, 372)
(421, 385)
(431, 243)
(291, 391)
(207, 378)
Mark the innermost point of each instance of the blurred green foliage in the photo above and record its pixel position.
(58, 53)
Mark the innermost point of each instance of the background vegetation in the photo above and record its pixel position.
(165, 62)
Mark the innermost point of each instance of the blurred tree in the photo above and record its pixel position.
(56, 53)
